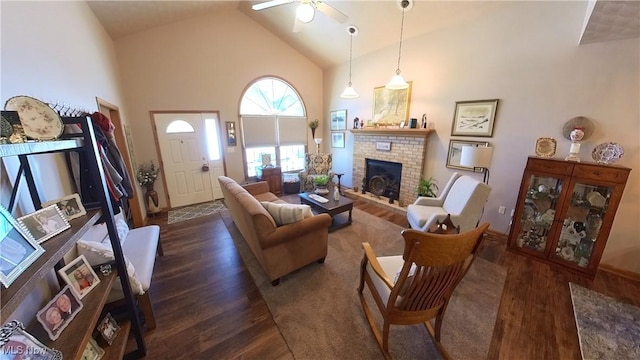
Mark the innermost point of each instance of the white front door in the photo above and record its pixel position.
(183, 142)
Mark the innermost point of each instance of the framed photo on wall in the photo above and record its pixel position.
(455, 153)
(474, 118)
(231, 133)
(339, 120)
(337, 139)
(18, 249)
(71, 206)
(391, 107)
(45, 223)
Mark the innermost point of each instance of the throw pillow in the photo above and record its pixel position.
(100, 253)
(284, 214)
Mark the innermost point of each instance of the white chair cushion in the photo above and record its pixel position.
(143, 242)
(389, 264)
(419, 215)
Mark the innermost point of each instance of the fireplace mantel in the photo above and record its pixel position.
(393, 131)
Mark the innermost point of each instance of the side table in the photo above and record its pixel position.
(273, 177)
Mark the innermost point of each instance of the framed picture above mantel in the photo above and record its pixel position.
(390, 107)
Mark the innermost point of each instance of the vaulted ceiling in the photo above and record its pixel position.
(326, 41)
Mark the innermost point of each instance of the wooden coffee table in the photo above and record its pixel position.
(332, 207)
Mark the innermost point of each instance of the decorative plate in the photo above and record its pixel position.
(607, 153)
(580, 121)
(546, 147)
(38, 120)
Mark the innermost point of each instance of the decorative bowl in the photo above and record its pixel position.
(607, 153)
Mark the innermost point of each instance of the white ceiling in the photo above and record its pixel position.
(326, 42)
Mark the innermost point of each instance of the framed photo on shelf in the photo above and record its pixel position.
(337, 139)
(339, 120)
(474, 118)
(108, 328)
(71, 206)
(59, 312)
(15, 342)
(391, 107)
(45, 223)
(455, 153)
(80, 276)
(92, 351)
(18, 249)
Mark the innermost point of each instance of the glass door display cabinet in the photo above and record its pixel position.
(565, 211)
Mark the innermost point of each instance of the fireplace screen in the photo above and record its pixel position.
(383, 178)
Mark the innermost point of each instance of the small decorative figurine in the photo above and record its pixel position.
(356, 123)
(364, 185)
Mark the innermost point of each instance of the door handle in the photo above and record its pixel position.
(205, 167)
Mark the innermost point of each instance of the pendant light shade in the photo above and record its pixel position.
(397, 82)
(349, 92)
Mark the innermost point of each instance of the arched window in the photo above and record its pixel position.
(273, 123)
(179, 126)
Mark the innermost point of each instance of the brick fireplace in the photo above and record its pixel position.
(407, 146)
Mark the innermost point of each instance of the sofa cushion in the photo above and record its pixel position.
(418, 215)
(284, 214)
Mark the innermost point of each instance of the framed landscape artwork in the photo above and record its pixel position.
(339, 120)
(390, 107)
(474, 118)
(337, 139)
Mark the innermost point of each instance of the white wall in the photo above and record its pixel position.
(54, 51)
(206, 63)
(527, 56)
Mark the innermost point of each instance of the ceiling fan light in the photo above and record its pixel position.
(349, 93)
(305, 12)
(397, 82)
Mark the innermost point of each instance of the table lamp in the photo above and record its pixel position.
(478, 158)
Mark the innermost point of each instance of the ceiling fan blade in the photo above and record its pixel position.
(331, 12)
(268, 4)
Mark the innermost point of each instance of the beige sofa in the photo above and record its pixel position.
(279, 249)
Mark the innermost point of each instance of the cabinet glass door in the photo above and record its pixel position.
(582, 222)
(540, 205)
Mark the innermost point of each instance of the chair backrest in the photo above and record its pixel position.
(467, 198)
(434, 265)
(318, 163)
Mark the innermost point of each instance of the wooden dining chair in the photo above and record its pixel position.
(426, 275)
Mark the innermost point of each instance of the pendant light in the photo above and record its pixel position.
(349, 92)
(397, 81)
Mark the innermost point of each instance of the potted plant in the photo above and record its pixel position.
(427, 187)
(320, 182)
(313, 125)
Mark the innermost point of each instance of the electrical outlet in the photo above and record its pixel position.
(501, 209)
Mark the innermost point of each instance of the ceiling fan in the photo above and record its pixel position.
(305, 12)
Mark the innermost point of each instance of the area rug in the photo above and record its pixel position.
(318, 311)
(194, 211)
(607, 328)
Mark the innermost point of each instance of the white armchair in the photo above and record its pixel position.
(463, 197)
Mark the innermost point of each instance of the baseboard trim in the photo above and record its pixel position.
(629, 275)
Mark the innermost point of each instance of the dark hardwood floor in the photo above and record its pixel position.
(208, 307)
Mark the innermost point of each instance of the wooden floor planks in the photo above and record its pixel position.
(208, 307)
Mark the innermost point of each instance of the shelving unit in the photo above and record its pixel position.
(74, 338)
(565, 211)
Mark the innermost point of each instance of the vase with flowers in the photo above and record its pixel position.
(147, 176)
